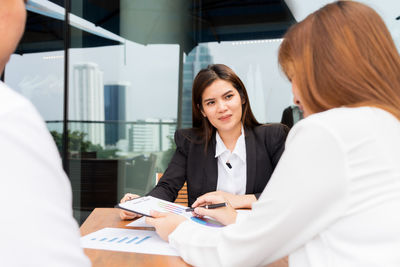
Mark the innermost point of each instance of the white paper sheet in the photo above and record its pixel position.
(127, 240)
(139, 223)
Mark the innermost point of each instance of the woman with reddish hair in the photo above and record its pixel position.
(334, 198)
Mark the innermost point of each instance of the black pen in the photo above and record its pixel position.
(211, 206)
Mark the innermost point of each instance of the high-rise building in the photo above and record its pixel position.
(196, 60)
(86, 102)
(115, 112)
(151, 135)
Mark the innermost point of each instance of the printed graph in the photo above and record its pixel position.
(145, 205)
(207, 222)
(119, 239)
(171, 207)
(127, 240)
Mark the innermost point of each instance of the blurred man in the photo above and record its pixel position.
(37, 227)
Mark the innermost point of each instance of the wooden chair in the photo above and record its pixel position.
(182, 198)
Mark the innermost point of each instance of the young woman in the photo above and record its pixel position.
(227, 152)
(334, 197)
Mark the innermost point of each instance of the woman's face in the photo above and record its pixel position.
(297, 99)
(12, 25)
(222, 106)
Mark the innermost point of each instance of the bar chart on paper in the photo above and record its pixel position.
(119, 239)
(171, 207)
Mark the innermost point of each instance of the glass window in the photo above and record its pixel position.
(130, 70)
(123, 102)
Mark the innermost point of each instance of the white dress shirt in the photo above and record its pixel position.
(231, 180)
(37, 226)
(333, 200)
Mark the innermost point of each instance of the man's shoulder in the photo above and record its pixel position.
(11, 100)
(18, 115)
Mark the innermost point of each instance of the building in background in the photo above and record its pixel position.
(115, 112)
(196, 60)
(86, 102)
(151, 135)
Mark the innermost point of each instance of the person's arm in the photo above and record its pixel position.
(174, 176)
(306, 194)
(127, 215)
(236, 201)
(171, 181)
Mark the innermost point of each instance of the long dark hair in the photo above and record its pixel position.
(343, 55)
(205, 78)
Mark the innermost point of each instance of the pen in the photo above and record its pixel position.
(211, 206)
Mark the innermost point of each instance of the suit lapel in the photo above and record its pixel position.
(250, 160)
(211, 167)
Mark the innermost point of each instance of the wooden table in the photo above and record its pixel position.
(109, 217)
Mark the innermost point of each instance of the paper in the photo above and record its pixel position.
(127, 240)
(141, 222)
(144, 205)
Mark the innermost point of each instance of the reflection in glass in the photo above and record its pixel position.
(42, 86)
(131, 68)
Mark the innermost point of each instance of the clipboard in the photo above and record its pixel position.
(143, 206)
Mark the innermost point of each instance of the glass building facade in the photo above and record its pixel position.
(112, 80)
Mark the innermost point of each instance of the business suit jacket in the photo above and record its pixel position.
(191, 163)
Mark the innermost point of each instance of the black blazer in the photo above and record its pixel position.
(264, 147)
(287, 117)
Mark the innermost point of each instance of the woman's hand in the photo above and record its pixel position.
(236, 201)
(164, 222)
(126, 215)
(225, 215)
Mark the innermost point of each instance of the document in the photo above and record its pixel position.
(127, 240)
(143, 206)
(139, 223)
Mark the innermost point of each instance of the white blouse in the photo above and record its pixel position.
(232, 178)
(333, 200)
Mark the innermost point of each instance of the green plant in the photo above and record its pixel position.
(77, 145)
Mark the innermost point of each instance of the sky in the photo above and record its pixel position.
(152, 71)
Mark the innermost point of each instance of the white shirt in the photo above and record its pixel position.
(333, 200)
(37, 226)
(231, 180)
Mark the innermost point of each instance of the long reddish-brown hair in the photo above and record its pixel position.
(343, 55)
